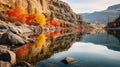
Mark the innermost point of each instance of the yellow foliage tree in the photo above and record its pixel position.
(40, 19)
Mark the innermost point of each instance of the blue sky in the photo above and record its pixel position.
(89, 6)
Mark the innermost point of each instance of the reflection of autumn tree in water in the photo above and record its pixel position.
(30, 50)
(23, 51)
(53, 34)
(41, 39)
(115, 33)
(44, 47)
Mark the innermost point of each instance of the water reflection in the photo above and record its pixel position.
(101, 38)
(100, 49)
(115, 33)
(108, 38)
(45, 45)
(86, 54)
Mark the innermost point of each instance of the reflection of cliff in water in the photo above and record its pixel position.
(116, 34)
(80, 36)
(106, 38)
(45, 47)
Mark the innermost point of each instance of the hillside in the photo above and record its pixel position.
(34, 16)
(27, 25)
(110, 14)
(59, 9)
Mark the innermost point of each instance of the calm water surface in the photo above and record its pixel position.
(89, 50)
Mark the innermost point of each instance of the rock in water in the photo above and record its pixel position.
(10, 38)
(68, 60)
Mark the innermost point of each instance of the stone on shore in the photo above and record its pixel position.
(10, 38)
(5, 47)
(5, 64)
(7, 56)
(13, 57)
(22, 64)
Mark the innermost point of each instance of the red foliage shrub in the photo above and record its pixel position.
(53, 22)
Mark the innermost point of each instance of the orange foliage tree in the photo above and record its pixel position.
(18, 13)
(21, 15)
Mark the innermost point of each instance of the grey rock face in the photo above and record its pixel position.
(63, 11)
(10, 38)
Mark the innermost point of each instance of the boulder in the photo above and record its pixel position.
(19, 29)
(5, 64)
(5, 47)
(7, 55)
(2, 26)
(4, 55)
(12, 56)
(10, 38)
(22, 64)
(68, 60)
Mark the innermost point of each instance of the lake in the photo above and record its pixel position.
(101, 49)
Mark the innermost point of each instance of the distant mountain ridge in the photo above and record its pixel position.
(110, 14)
(116, 7)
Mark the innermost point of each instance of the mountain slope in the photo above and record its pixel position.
(110, 14)
(59, 9)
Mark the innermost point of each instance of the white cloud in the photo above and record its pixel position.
(81, 6)
(102, 50)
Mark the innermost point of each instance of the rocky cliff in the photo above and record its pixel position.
(19, 24)
(63, 11)
(50, 8)
(111, 13)
(57, 8)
